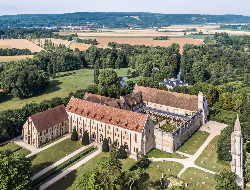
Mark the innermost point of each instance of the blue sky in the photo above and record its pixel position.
(159, 6)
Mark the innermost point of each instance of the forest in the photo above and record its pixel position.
(114, 19)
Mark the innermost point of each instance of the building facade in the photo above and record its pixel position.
(45, 126)
(186, 112)
(237, 153)
(133, 130)
(173, 82)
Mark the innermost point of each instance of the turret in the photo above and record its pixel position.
(202, 104)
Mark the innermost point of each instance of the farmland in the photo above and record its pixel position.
(19, 44)
(14, 58)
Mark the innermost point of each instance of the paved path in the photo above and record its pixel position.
(35, 150)
(45, 170)
(214, 128)
(70, 169)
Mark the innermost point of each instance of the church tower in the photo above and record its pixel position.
(237, 153)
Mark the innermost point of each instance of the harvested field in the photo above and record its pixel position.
(57, 41)
(14, 58)
(232, 32)
(20, 44)
(149, 41)
(83, 47)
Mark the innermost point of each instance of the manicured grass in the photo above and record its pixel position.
(70, 180)
(91, 149)
(194, 142)
(61, 86)
(199, 176)
(209, 157)
(12, 146)
(47, 157)
(155, 170)
(48, 143)
(157, 153)
(127, 163)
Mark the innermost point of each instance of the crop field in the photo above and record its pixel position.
(19, 44)
(149, 41)
(55, 41)
(83, 47)
(14, 58)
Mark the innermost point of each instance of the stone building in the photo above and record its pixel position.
(186, 113)
(131, 102)
(237, 153)
(45, 126)
(173, 82)
(133, 130)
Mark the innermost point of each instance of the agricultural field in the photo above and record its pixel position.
(5, 59)
(61, 86)
(19, 44)
(83, 47)
(148, 41)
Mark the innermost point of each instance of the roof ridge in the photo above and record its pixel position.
(47, 110)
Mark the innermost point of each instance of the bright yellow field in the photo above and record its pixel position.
(20, 44)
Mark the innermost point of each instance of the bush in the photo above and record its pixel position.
(74, 136)
(105, 145)
(85, 138)
(122, 154)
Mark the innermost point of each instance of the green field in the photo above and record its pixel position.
(194, 143)
(209, 157)
(156, 153)
(14, 147)
(51, 155)
(61, 86)
(199, 176)
(69, 182)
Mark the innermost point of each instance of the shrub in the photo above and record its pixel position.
(74, 136)
(122, 154)
(85, 138)
(105, 145)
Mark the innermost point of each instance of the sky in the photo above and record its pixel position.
(10, 7)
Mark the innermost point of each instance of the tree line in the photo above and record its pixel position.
(14, 51)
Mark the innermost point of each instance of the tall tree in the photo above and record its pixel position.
(85, 138)
(226, 180)
(15, 171)
(74, 135)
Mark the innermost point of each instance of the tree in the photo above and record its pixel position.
(122, 154)
(199, 71)
(105, 145)
(15, 171)
(96, 72)
(85, 138)
(109, 83)
(74, 135)
(133, 176)
(226, 180)
(247, 167)
(113, 150)
(224, 144)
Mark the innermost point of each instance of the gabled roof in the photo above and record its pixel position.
(102, 100)
(172, 82)
(133, 99)
(122, 118)
(49, 118)
(172, 99)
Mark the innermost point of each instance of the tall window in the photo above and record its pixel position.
(136, 138)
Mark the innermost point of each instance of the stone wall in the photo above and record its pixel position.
(170, 142)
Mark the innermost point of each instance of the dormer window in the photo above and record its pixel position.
(110, 118)
(95, 114)
(70, 107)
(137, 126)
(126, 123)
(76, 109)
(102, 116)
(88, 112)
(118, 120)
(82, 111)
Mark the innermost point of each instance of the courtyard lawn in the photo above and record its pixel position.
(23, 151)
(209, 157)
(199, 176)
(194, 142)
(155, 170)
(48, 143)
(49, 156)
(84, 152)
(12, 146)
(61, 86)
(157, 153)
(127, 163)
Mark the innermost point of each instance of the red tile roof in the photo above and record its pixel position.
(49, 118)
(126, 119)
(133, 99)
(102, 100)
(172, 99)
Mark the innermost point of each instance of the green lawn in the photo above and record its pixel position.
(194, 142)
(48, 143)
(13, 147)
(69, 182)
(199, 176)
(61, 86)
(157, 153)
(49, 156)
(63, 164)
(155, 170)
(209, 157)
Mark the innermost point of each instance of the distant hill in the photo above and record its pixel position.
(115, 19)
